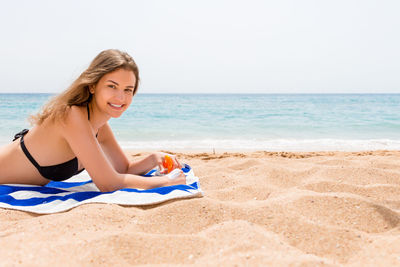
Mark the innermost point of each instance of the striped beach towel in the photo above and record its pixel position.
(61, 196)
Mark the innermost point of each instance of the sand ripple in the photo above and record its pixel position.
(259, 209)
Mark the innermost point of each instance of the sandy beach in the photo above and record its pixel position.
(260, 208)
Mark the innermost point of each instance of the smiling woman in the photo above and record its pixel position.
(73, 129)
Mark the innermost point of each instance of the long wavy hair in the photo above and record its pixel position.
(78, 94)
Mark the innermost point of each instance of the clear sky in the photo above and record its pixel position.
(207, 46)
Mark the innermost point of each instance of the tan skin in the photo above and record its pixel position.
(102, 157)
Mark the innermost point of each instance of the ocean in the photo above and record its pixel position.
(239, 122)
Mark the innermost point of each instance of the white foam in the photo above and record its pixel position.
(268, 144)
(322, 144)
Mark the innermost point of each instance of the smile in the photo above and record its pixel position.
(115, 106)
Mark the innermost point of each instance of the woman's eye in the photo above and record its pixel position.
(111, 86)
(128, 90)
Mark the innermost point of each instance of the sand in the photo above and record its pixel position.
(259, 208)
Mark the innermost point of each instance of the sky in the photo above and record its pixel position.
(208, 46)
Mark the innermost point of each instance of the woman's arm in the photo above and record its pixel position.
(79, 135)
(120, 161)
(151, 161)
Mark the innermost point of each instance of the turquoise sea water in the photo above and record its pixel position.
(295, 122)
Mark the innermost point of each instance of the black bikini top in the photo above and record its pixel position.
(58, 172)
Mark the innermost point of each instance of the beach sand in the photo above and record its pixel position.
(259, 208)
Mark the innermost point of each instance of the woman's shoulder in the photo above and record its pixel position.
(74, 109)
(74, 117)
(75, 123)
(74, 113)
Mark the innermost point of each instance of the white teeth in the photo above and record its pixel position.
(117, 106)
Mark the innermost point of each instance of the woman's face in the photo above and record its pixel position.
(114, 91)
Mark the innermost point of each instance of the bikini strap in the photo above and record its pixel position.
(88, 115)
(27, 154)
(88, 111)
(20, 134)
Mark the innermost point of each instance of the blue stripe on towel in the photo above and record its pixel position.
(8, 189)
(164, 190)
(66, 184)
(78, 196)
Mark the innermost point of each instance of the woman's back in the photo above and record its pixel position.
(44, 144)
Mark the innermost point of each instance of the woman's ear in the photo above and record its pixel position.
(91, 89)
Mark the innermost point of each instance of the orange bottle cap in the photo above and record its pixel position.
(168, 163)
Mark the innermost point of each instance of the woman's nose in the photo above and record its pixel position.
(120, 95)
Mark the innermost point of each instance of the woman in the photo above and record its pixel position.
(72, 133)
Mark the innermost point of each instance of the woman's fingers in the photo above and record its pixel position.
(162, 169)
(177, 164)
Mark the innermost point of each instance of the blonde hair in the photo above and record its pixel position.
(78, 94)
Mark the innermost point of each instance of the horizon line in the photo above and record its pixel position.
(234, 93)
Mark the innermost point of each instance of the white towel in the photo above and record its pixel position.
(61, 196)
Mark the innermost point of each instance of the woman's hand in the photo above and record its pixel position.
(180, 179)
(159, 158)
